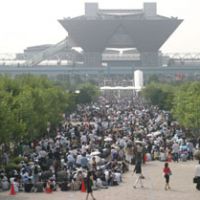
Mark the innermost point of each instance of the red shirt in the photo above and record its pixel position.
(166, 171)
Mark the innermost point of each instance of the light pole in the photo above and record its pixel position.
(48, 128)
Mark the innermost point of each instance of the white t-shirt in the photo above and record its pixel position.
(197, 170)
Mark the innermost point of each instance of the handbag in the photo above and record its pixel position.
(142, 177)
(195, 179)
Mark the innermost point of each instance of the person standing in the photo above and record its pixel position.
(197, 176)
(138, 172)
(89, 182)
(94, 164)
(175, 151)
(167, 172)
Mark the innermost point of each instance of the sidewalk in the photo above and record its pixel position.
(181, 184)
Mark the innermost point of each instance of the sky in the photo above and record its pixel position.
(26, 23)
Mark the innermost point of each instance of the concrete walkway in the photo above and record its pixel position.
(182, 187)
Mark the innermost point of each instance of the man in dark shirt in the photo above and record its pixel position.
(138, 172)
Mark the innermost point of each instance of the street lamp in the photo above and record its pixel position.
(48, 128)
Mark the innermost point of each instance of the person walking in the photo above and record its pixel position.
(138, 172)
(89, 182)
(167, 172)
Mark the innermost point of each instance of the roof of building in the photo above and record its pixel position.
(143, 28)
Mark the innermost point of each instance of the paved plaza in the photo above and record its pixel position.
(182, 187)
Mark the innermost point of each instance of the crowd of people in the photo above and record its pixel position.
(100, 139)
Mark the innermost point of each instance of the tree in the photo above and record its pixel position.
(88, 93)
(153, 79)
(6, 118)
(27, 105)
(159, 94)
(187, 106)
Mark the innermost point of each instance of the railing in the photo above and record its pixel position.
(107, 57)
(36, 59)
(176, 59)
(184, 55)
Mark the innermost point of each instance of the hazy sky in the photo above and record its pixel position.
(34, 22)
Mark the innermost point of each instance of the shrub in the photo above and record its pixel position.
(10, 167)
(17, 160)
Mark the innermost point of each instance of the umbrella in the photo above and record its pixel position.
(154, 134)
(95, 153)
(58, 136)
(108, 139)
(115, 146)
(139, 142)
